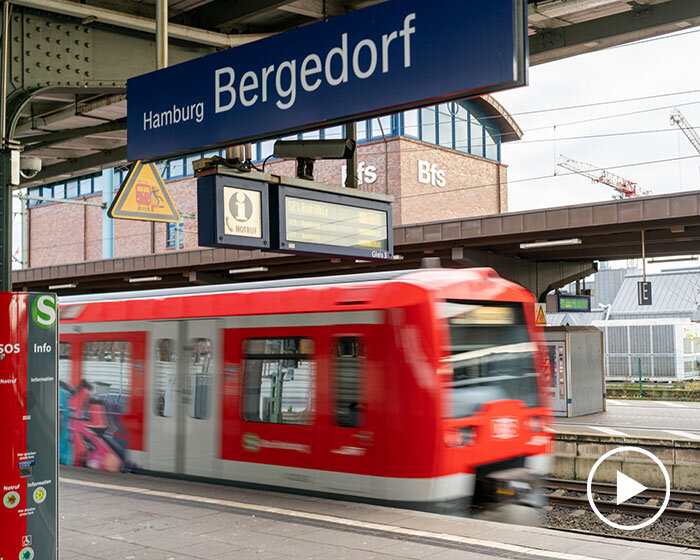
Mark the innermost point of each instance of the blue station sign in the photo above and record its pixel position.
(386, 58)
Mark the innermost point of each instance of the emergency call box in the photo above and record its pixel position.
(28, 416)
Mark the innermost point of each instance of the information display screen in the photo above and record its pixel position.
(324, 223)
(574, 303)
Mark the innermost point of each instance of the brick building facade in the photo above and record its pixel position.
(429, 182)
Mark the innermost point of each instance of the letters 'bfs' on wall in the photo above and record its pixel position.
(392, 56)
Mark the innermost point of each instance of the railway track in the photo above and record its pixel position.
(683, 505)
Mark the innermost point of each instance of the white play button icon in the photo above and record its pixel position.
(627, 488)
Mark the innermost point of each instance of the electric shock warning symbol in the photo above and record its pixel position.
(27, 553)
(39, 495)
(11, 500)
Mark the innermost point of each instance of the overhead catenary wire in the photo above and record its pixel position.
(552, 176)
(609, 102)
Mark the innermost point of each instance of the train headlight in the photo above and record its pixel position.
(459, 437)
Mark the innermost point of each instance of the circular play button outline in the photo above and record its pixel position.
(648, 521)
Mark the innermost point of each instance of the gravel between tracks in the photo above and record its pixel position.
(672, 531)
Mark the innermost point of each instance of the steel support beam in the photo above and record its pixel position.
(138, 23)
(5, 223)
(642, 22)
(51, 138)
(76, 167)
(537, 276)
(317, 9)
(225, 13)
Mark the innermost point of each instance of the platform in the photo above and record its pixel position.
(130, 517)
(628, 418)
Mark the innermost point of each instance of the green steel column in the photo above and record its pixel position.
(5, 223)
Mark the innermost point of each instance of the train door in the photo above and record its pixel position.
(350, 432)
(202, 410)
(183, 430)
(166, 397)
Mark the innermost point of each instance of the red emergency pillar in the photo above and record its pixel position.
(28, 421)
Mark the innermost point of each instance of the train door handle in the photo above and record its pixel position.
(364, 435)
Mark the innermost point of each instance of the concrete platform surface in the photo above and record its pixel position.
(659, 419)
(133, 517)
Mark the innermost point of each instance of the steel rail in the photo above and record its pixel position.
(630, 508)
(606, 488)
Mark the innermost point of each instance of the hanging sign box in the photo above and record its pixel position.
(329, 223)
(283, 214)
(233, 212)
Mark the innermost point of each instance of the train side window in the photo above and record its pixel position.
(200, 377)
(65, 364)
(164, 377)
(348, 367)
(106, 365)
(279, 380)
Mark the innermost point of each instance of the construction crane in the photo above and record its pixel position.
(627, 189)
(678, 119)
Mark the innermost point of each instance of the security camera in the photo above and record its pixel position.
(29, 166)
(314, 149)
(307, 151)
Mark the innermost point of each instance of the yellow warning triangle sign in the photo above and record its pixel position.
(541, 318)
(143, 196)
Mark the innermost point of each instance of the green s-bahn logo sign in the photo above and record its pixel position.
(44, 311)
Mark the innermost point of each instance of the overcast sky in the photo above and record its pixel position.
(660, 66)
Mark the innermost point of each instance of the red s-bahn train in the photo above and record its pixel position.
(415, 388)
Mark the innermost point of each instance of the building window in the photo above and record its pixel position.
(189, 170)
(279, 380)
(427, 125)
(492, 143)
(335, 132)
(175, 236)
(349, 402)
(362, 131)
(106, 365)
(382, 124)
(461, 128)
(410, 123)
(311, 135)
(476, 130)
(200, 377)
(85, 186)
(176, 168)
(71, 188)
(59, 191)
(266, 149)
(446, 120)
(165, 377)
(97, 183)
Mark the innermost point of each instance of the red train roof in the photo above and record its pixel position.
(356, 292)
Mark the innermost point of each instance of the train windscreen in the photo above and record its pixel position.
(491, 355)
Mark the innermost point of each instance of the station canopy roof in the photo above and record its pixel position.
(78, 130)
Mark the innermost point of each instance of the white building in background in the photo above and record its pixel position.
(662, 338)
